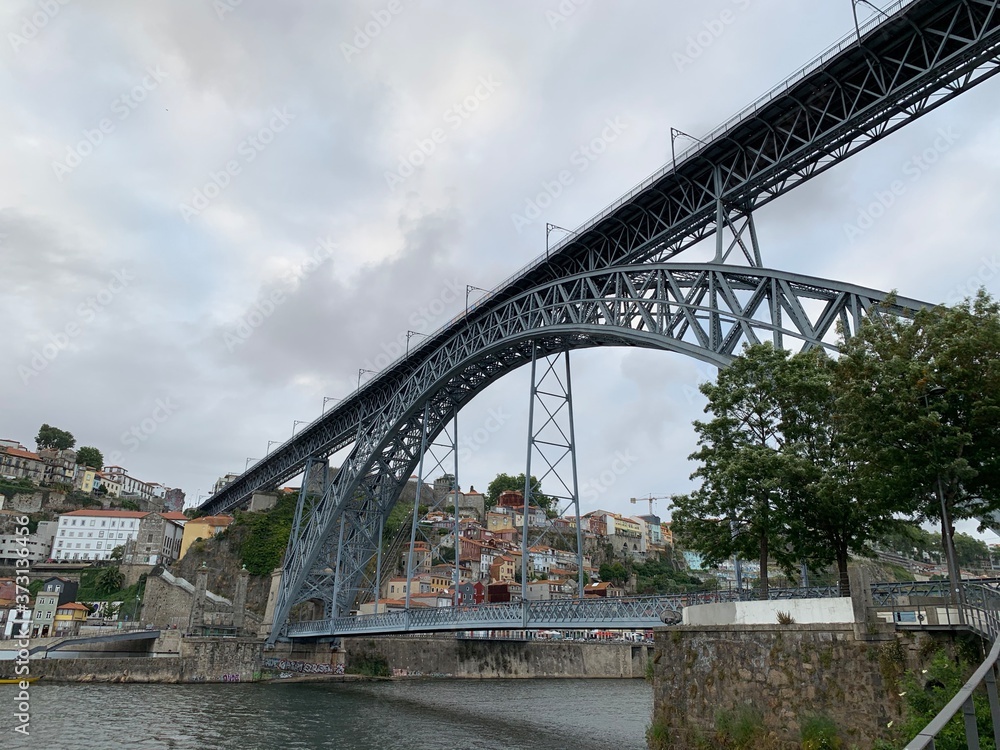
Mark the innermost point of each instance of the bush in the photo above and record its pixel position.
(818, 732)
(741, 729)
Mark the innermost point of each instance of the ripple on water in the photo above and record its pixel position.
(412, 714)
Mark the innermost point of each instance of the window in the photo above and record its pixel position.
(92, 523)
(100, 545)
(104, 523)
(100, 534)
(149, 538)
(62, 532)
(88, 545)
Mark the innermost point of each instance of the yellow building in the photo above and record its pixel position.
(203, 528)
(69, 618)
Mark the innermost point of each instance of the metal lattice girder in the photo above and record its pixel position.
(925, 53)
(702, 310)
(552, 459)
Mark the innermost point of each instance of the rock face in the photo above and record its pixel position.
(223, 565)
(783, 672)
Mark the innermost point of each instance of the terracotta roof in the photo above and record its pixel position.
(173, 515)
(74, 605)
(210, 520)
(107, 513)
(20, 453)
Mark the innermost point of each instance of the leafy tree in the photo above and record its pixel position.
(830, 518)
(742, 506)
(52, 438)
(504, 482)
(88, 456)
(108, 581)
(129, 505)
(920, 402)
(117, 553)
(615, 572)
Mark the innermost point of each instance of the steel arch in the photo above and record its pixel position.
(700, 310)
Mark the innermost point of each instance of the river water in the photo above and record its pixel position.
(399, 715)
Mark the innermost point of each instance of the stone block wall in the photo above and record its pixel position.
(493, 659)
(785, 672)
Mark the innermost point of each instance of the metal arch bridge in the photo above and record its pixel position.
(611, 282)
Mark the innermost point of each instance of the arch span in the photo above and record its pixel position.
(704, 311)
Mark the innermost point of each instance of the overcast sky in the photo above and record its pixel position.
(210, 217)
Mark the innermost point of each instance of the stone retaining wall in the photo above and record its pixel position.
(786, 672)
(491, 659)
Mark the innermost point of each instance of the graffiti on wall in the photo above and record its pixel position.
(302, 667)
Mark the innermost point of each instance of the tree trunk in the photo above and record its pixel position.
(763, 567)
(845, 581)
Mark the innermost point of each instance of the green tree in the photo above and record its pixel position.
(88, 456)
(920, 403)
(503, 482)
(52, 438)
(117, 553)
(829, 518)
(742, 506)
(615, 572)
(108, 581)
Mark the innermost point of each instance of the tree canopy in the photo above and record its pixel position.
(921, 403)
(776, 481)
(88, 456)
(52, 438)
(809, 458)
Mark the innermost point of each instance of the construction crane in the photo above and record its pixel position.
(651, 499)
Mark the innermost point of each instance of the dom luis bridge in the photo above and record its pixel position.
(615, 281)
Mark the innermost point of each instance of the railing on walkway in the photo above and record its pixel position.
(979, 614)
(617, 613)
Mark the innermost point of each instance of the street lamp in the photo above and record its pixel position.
(247, 464)
(296, 423)
(954, 572)
(409, 335)
(329, 398)
(362, 371)
(470, 288)
(269, 444)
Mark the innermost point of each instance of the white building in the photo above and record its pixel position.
(93, 534)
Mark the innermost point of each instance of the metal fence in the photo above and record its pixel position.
(979, 613)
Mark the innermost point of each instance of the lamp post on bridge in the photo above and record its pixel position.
(296, 423)
(470, 288)
(409, 335)
(269, 444)
(362, 371)
(247, 464)
(329, 398)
